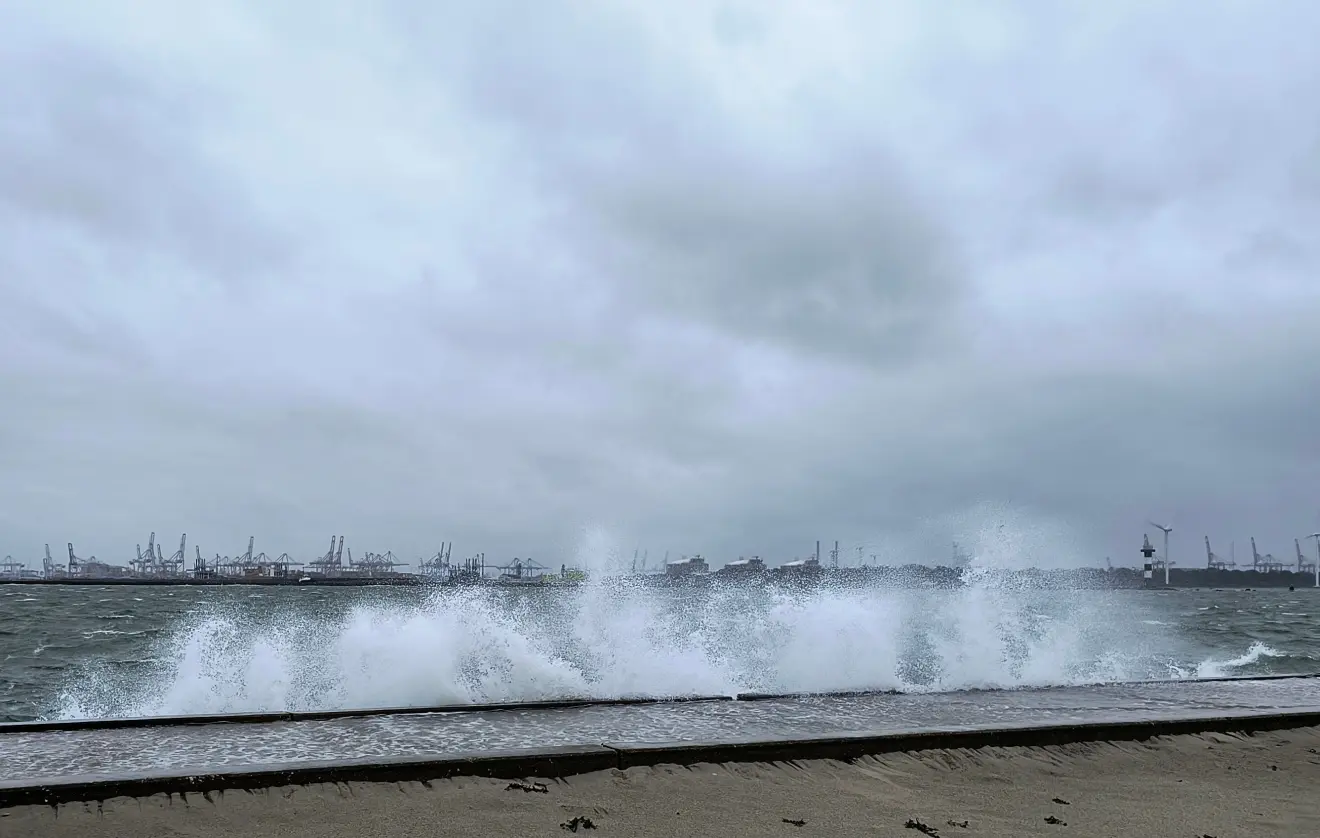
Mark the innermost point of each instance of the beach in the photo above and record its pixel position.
(1217, 785)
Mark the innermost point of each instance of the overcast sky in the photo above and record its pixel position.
(717, 277)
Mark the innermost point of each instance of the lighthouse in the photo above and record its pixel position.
(1147, 569)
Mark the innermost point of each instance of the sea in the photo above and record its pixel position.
(768, 662)
(103, 652)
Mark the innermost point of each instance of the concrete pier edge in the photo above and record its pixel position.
(1291, 676)
(562, 762)
(59, 726)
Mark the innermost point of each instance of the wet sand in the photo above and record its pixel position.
(1224, 786)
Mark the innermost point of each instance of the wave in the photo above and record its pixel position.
(613, 640)
(1258, 653)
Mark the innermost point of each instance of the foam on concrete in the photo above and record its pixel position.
(1295, 676)
(57, 725)
(61, 725)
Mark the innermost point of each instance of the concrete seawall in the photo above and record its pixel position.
(549, 763)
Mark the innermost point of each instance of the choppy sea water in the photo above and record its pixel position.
(78, 652)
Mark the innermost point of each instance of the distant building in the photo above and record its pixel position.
(687, 566)
(744, 566)
(800, 566)
(93, 569)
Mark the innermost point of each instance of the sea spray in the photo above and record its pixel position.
(614, 638)
(1213, 668)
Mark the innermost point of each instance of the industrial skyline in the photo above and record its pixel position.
(152, 561)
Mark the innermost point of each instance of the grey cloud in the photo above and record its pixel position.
(680, 282)
(818, 243)
(836, 258)
(109, 147)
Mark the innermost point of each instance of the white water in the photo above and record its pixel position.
(1211, 668)
(600, 641)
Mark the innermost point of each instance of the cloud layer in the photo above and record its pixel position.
(715, 277)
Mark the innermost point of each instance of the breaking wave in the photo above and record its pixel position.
(1211, 668)
(609, 640)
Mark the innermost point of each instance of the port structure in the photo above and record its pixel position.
(522, 570)
(1303, 565)
(146, 565)
(91, 567)
(643, 555)
(179, 558)
(49, 569)
(1214, 562)
(1266, 563)
(332, 562)
(374, 564)
(473, 569)
(339, 566)
(152, 562)
(10, 568)
(251, 564)
(338, 562)
(438, 565)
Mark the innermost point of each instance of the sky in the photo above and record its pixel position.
(562, 280)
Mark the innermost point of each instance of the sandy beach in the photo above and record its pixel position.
(1180, 787)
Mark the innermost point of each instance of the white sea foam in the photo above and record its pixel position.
(608, 639)
(1213, 668)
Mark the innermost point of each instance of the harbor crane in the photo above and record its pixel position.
(147, 563)
(438, 565)
(1266, 563)
(49, 569)
(1303, 566)
(377, 564)
(1213, 562)
(332, 561)
(179, 558)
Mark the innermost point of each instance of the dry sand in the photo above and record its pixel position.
(1180, 787)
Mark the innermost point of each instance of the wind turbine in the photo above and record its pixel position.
(1316, 536)
(1166, 531)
